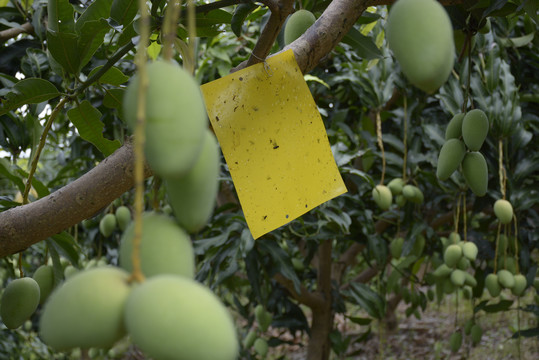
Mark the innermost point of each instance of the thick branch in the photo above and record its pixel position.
(312, 300)
(23, 226)
(7, 34)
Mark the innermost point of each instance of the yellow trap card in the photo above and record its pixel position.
(274, 142)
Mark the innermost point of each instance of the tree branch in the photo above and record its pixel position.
(312, 300)
(22, 226)
(7, 34)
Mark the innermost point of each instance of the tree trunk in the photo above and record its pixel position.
(319, 343)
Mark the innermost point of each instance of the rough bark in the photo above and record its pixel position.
(25, 225)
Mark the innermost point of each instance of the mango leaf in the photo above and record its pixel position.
(63, 48)
(213, 17)
(502, 305)
(29, 91)
(60, 13)
(112, 76)
(240, 13)
(86, 119)
(518, 41)
(368, 299)
(91, 37)
(57, 267)
(99, 9)
(363, 45)
(533, 332)
(123, 11)
(113, 98)
(66, 245)
(281, 258)
(7, 171)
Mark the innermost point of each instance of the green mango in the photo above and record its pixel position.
(475, 171)
(19, 301)
(396, 186)
(469, 250)
(261, 347)
(476, 333)
(87, 310)
(452, 255)
(249, 339)
(458, 277)
(492, 285)
(450, 157)
(193, 196)
(263, 317)
(174, 317)
(175, 118)
(506, 279)
(44, 276)
(475, 129)
(503, 211)
(297, 24)
(382, 196)
(442, 271)
(107, 225)
(455, 341)
(469, 280)
(454, 128)
(520, 285)
(420, 34)
(165, 248)
(123, 217)
(412, 193)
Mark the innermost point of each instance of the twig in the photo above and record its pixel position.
(312, 300)
(11, 33)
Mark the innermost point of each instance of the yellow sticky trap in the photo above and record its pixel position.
(274, 142)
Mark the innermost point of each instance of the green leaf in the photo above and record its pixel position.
(282, 259)
(57, 267)
(112, 76)
(29, 91)
(240, 13)
(533, 332)
(368, 299)
(67, 246)
(518, 41)
(124, 11)
(363, 45)
(99, 9)
(359, 320)
(60, 13)
(113, 98)
(63, 48)
(91, 37)
(214, 17)
(87, 120)
(7, 171)
(500, 306)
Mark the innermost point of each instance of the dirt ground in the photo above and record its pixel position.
(428, 337)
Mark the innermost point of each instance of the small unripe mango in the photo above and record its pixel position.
(395, 247)
(261, 347)
(454, 128)
(87, 310)
(123, 217)
(458, 277)
(475, 171)
(520, 285)
(382, 196)
(503, 211)
(474, 129)
(107, 225)
(263, 317)
(469, 249)
(476, 333)
(165, 248)
(396, 186)
(442, 271)
(19, 301)
(506, 279)
(420, 35)
(455, 341)
(44, 276)
(450, 157)
(249, 339)
(469, 280)
(492, 285)
(297, 24)
(412, 193)
(452, 255)
(173, 317)
(193, 196)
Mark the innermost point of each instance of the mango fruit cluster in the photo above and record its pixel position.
(465, 132)
(168, 316)
(253, 339)
(420, 34)
(179, 146)
(383, 195)
(458, 257)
